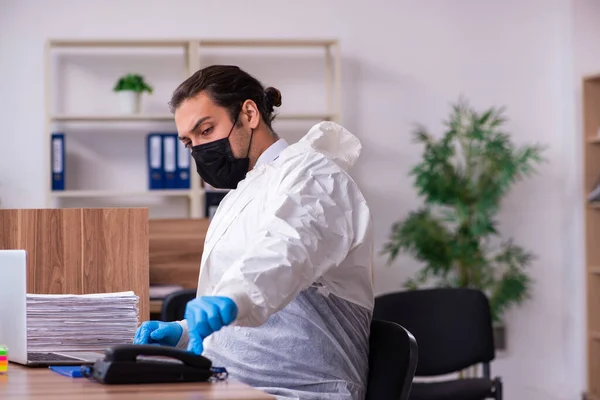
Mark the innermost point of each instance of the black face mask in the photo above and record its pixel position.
(216, 164)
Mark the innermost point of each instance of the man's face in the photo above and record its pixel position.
(199, 120)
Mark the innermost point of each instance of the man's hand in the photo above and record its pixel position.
(158, 332)
(205, 315)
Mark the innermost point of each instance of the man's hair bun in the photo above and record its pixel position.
(272, 98)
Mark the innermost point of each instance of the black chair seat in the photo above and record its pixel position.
(460, 389)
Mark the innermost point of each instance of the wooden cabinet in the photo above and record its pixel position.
(591, 154)
(79, 251)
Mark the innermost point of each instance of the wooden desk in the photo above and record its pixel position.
(41, 383)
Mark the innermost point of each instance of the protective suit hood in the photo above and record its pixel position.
(335, 142)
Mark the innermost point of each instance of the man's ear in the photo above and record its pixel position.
(251, 114)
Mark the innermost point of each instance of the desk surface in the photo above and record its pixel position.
(41, 383)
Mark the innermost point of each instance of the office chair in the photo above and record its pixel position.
(453, 327)
(393, 355)
(173, 308)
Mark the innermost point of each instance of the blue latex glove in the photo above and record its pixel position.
(205, 315)
(158, 332)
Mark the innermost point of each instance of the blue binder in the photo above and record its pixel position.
(155, 161)
(169, 160)
(182, 179)
(58, 161)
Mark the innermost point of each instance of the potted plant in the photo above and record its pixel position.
(129, 89)
(462, 178)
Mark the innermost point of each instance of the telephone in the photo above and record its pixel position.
(146, 363)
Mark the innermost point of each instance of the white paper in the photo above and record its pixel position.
(89, 322)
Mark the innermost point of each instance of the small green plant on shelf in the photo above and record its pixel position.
(130, 88)
(132, 82)
(462, 179)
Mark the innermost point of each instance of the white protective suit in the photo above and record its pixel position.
(292, 246)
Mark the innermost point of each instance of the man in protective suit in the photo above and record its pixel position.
(285, 293)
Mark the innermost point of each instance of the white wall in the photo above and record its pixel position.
(403, 64)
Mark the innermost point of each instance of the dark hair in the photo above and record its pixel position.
(228, 86)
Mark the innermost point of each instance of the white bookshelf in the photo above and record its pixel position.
(111, 118)
(194, 53)
(169, 118)
(119, 193)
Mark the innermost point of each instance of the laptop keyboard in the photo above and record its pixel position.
(49, 357)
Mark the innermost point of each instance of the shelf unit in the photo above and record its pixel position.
(591, 168)
(193, 55)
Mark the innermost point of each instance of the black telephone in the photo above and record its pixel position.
(134, 363)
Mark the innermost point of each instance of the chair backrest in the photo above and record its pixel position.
(393, 355)
(453, 326)
(173, 308)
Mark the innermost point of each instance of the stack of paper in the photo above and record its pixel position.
(89, 322)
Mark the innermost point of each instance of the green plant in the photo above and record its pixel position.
(462, 178)
(133, 82)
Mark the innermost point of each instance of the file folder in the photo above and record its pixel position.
(183, 166)
(155, 161)
(58, 161)
(169, 160)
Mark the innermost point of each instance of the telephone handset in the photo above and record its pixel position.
(146, 363)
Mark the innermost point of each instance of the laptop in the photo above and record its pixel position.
(13, 317)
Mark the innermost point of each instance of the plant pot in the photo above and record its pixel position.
(500, 336)
(129, 101)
